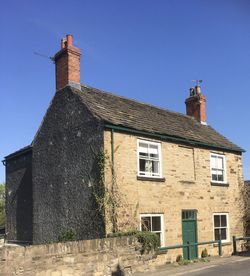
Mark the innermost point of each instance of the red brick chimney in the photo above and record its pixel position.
(67, 62)
(196, 104)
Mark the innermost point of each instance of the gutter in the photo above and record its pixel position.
(17, 153)
(169, 138)
(114, 222)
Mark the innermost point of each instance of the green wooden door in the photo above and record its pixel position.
(189, 232)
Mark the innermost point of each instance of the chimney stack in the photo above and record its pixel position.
(196, 104)
(67, 62)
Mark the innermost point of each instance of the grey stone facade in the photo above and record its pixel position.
(65, 169)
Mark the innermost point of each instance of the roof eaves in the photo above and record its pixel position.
(18, 152)
(170, 138)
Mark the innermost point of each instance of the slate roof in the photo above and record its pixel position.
(120, 111)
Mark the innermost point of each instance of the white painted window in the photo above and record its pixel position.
(218, 168)
(149, 158)
(153, 223)
(221, 227)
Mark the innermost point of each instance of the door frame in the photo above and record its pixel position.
(195, 212)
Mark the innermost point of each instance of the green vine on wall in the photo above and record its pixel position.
(110, 200)
(106, 194)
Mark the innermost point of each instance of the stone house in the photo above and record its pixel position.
(163, 171)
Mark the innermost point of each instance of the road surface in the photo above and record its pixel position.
(228, 266)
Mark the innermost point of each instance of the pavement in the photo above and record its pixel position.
(217, 266)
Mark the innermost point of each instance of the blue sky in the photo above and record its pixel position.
(148, 50)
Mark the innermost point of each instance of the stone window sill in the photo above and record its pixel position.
(153, 179)
(219, 184)
(222, 244)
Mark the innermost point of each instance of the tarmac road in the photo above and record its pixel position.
(228, 266)
(241, 267)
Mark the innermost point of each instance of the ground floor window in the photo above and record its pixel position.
(153, 223)
(221, 226)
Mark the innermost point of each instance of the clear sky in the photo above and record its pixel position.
(148, 50)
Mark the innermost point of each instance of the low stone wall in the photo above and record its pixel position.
(89, 257)
(101, 257)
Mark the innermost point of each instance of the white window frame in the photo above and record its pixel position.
(158, 144)
(227, 228)
(224, 171)
(162, 241)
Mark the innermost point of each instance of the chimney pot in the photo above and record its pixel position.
(198, 89)
(69, 38)
(63, 43)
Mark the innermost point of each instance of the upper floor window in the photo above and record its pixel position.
(149, 159)
(218, 167)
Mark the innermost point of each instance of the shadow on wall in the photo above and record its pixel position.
(24, 224)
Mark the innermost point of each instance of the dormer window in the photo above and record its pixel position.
(149, 159)
(218, 168)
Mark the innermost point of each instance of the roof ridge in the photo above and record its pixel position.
(139, 102)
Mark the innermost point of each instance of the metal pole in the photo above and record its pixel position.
(234, 246)
(219, 247)
(114, 217)
(188, 251)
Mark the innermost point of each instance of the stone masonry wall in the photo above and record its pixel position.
(187, 185)
(88, 258)
(247, 210)
(65, 169)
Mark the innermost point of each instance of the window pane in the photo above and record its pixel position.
(142, 165)
(220, 172)
(219, 162)
(217, 234)
(153, 149)
(223, 221)
(148, 166)
(145, 224)
(143, 155)
(143, 148)
(156, 223)
(216, 221)
(220, 177)
(155, 167)
(213, 162)
(223, 233)
(214, 177)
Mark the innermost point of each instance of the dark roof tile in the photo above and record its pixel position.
(128, 113)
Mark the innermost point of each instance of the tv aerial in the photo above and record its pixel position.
(197, 82)
(44, 56)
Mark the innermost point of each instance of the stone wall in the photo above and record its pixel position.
(247, 210)
(187, 185)
(90, 257)
(65, 169)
